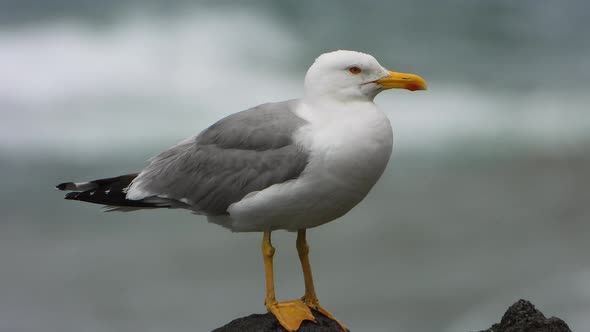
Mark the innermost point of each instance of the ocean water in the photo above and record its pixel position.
(485, 200)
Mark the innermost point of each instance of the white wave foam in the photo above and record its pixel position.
(144, 79)
(68, 84)
(447, 115)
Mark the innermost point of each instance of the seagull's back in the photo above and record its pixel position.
(243, 153)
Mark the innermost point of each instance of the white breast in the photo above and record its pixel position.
(350, 147)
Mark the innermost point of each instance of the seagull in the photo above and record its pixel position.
(289, 165)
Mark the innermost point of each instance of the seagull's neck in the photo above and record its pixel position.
(334, 109)
(335, 103)
(346, 95)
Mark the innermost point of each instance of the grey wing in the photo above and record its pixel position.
(242, 153)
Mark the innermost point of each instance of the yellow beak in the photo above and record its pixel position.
(402, 81)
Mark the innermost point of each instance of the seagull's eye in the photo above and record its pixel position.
(355, 70)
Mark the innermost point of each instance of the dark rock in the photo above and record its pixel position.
(268, 323)
(522, 316)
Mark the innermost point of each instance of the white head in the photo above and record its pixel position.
(350, 75)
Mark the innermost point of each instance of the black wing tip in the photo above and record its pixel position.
(64, 186)
(72, 195)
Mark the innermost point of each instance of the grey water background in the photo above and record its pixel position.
(485, 201)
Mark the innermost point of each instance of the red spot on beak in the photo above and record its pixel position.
(413, 87)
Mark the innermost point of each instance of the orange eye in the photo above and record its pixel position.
(355, 70)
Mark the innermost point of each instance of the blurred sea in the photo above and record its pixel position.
(485, 201)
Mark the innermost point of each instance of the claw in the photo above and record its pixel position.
(314, 304)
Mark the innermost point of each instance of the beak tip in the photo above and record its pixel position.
(416, 87)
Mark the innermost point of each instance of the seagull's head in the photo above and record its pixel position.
(350, 75)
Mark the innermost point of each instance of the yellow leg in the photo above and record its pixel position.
(291, 313)
(310, 298)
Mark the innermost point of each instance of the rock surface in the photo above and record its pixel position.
(268, 323)
(522, 316)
